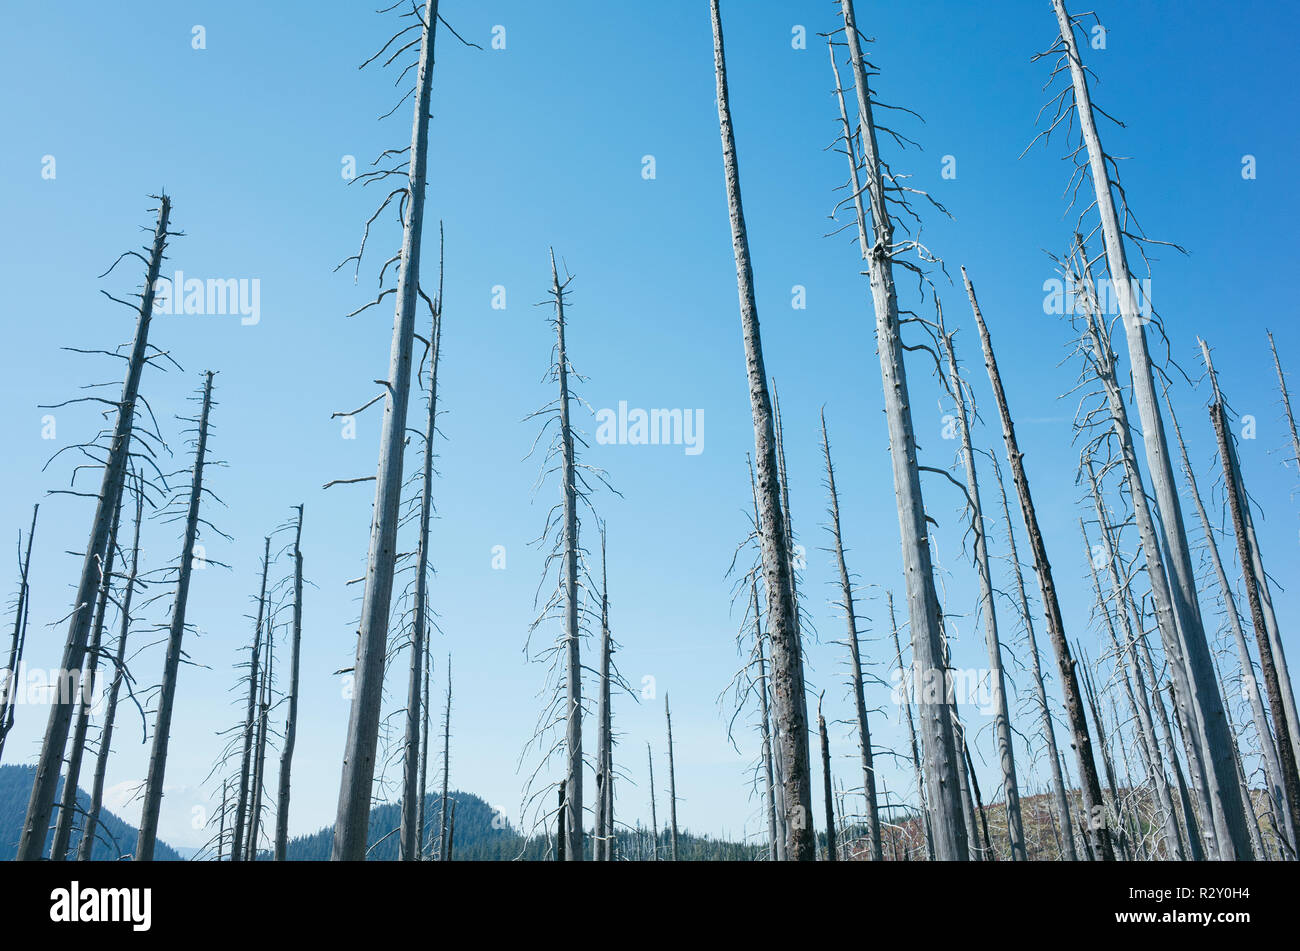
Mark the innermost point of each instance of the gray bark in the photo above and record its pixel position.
(827, 791)
(672, 781)
(654, 816)
(37, 821)
(911, 731)
(352, 823)
(8, 700)
(259, 756)
(153, 789)
(786, 651)
(446, 770)
(291, 717)
(769, 792)
(604, 850)
(237, 846)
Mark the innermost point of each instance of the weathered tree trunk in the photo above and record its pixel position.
(1248, 554)
(259, 769)
(1099, 832)
(1001, 715)
(72, 774)
(855, 660)
(153, 789)
(87, 844)
(786, 651)
(353, 820)
(1249, 685)
(451, 832)
(1107, 762)
(1049, 729)
(876, 239)
(827, 791)
(8, 700)
(411, 839)
(979, 801)
(560, 836)
(769, 792)
(672, 780)
(237, 846)
(604, 743)
(37, 821)
(654, 816)
(291, 717)
(425, 840)
(1231, 837)
(446, 770)
(906, 704)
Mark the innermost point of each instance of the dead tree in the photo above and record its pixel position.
(881, 251)
(238, 846)
(8, 700)
(425, 840)
(855, 661)
(786, 651)
(1001, 715)
(291, 717)
(37, 821)
(827, 791)
(1249, 685)
(911, 729)
(1254, 578)
(451, 833)
(72, 773)
(446, 769)
(153, 789)
(259, 755)
(672, 780)
(352, 823)
(85, 847)
(560, 836)
(604, 848)
(1049, 729)
(654, 816)
(1099, 831)
(775, 841)
(1231, 836)
(411, 834)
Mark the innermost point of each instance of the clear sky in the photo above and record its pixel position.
(543, 143)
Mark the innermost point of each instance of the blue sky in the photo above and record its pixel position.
(542, 144)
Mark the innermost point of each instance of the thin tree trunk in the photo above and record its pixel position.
(352, 824)
(237, 846)
(604, 764)
(221, 831)
(1231, 837)
(1001, 715)
(560, 836)
(424, 852)
(786, 651)
(654, 816)
(911, 731)
(769, 793)
(855, 660)
(36, 824)
(8, 701)
(672, 780)
(942, 757)
(1099, 832)
(451, 832)
(291, 718)
(259, 771)
(85, 848)
(827, 791)
(446, 770)
(1049, 728)
(153, 790)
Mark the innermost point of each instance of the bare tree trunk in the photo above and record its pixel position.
(86, 847)
(1249, 685)
(153, 789)
(1234, 487)
(1256, 836)
(1001, 715)
(425, 840)
(604, 764)
(942, 762)
(352, 824)
(560, 837)
(782, 625)
(1049, 729)
(855, 660)
(291, 718)
(36, 824)
(221, 831)
(237, 846)
(8, 700)
(446, 771)
(827, 792)
(911, 731)
(654, 817)
(72, 774)
(451, 832)
(259, 770)
(1225, 804)
(1099, 832)
(672, 780)
(412, 837)
(769, 791)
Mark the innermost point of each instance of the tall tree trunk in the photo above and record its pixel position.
(604, 765)
(352, 824)
(72, 774)
(906, 704)
(786, 651)
(560, 837)
(1049, 729)
(654, 816)
(672, 780)
(85, 848)
(153, 789)
(411, 837)
(1231, 837)
(827, 792)
(446, 770)
(291, 718)
(237, 846)
(876, 240)
(855, 660)
(1248, 554)
(1001, 715)
(774, 841)
(425, 840)
(36, 824)
(1099, 832)
(259, 769)
(8, 700)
